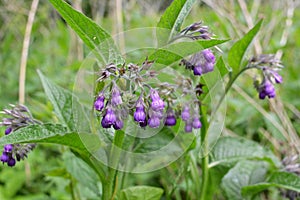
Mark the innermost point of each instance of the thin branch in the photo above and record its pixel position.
(25, 49)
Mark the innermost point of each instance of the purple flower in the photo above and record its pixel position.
(116, 97)
(11, 162)
(154, 122)
(143, 124)
(202, 62)
(157, 103)
(104, 124)
(4, 157)
(266, 89)
(196, 123)
(139, 114)
(188, 127)
(170, 120)
(118, 124)
(198, 70)
(8, 147)
(185, 114)
(209, 56)
(109, 117)
(99, 103)
(8, 130)
(277, 77)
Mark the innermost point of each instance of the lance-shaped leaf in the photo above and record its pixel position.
(61, 100)
(172, 19)
(49, 133)
(238, 50)
(284, 180)
(93, 35)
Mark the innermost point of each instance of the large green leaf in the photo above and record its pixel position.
(141, 193)
(237, 51)
(230, 150)
(243, 174)
(176, 51)
(47, 133)
(172, 19)
(61, 100)
(284, 180)
(86, 177)
(91, 34)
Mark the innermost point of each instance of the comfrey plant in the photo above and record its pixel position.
(19, 117)
(165, 110)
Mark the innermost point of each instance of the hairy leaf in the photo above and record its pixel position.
(93, 35)
(243, 174)
(229, 150)
(61, 100)
(237, 51)
(46, 133)
(142, 192)
(172, 19)
(284, 180)
(176, 51)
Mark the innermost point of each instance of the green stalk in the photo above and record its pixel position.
(114, 158)
(204, 141)
(204, 161)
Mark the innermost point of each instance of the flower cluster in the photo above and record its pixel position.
(201, 62)
(19, 117)
(155, 104)
(269, 66)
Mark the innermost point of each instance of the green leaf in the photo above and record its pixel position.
(243, 174)
(222, 67)
(141, 193)
(176, 51)
(237, 51)
(61, 100)
(172, 19)
(230, 150)
(47, 133)
(94, 36)
(284, 180)
(86, 177)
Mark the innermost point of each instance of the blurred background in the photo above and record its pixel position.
(58, 52)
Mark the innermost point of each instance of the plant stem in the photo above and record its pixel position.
(114, 157)
(204, 141)
(204, 161)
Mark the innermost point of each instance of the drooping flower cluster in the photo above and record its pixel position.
(129, 93)
(201, 62)
(269, 66)
(20, 117)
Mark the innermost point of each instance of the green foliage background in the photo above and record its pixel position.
(57, 52)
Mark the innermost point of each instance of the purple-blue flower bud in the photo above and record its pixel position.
(8, 130)
(11, 162)
(209, 56)
(157, 103)
(99, 103)
(188, 127)
(4, 157)
(277, 77)
(185, 114)
(116, 97)
(170, 120)
(196, 123)
(118, 124)
(110, 117)
(8, 147)
(154, 122)
(104, 124)
(267, 89)
(197, 70)
(139, 114)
